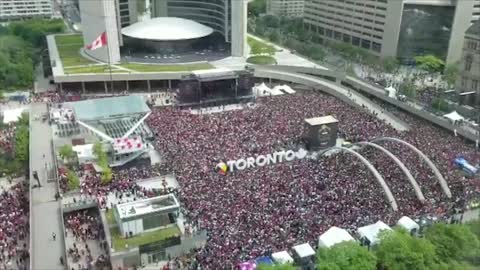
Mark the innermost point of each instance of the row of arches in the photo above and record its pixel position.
(379, 178)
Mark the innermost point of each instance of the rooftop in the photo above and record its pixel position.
(474, 29)
(321, 120)
(165, 203)
(104, 108)
(167, 29)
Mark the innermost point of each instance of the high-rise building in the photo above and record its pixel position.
(226, 17)
(21, 9)
(468, 82)
(401, 28)
(289, 8)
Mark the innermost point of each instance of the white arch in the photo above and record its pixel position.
(438, 175)
(402, 166)
(380, 180)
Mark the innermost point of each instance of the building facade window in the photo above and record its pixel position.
(475, 85)
(463, 83)
(468, 62)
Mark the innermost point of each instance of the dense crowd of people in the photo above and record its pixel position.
(14, 227)
(7, 138)
(261, 210)
(85, 227)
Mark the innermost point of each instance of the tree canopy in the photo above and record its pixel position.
(20, 45)
(398, 250)
(73, 181)
(257, 7)
(450, 74)
(22, 138)
(453, 242)
(346, 256)
(66, 152)
(430, 63)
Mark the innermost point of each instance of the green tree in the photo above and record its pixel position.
(346, 256)
(408, 89)
(271, 21)
(274, 36)
(285, 266)
(100, 154)
(390, 64)
(22, 144)
(450, 74)
(66, 152)
(73, 181)
(398, 250)
(455, 242)
(257, 7)
(430, 63)
(453, 266)
(107, 175)
(440, 104)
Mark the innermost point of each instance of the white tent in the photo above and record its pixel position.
(333, 236)
(391, 92)
(408, 224)
(454, 117)
(84, 153)
(304, 250)
(371, 232)
(285, 88)
(12, 115)
(282, 257)
(262, 90)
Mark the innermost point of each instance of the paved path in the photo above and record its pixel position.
(350, 94)
(45, 212)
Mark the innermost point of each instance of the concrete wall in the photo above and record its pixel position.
(392, 28)
(239, 28)
(461, 22)
(98, 17)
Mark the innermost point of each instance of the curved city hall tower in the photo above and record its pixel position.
(227, 17)
(97, 17)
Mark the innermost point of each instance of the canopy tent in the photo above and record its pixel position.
(371, 232)
(106, 108)
(282, 257)
(333, 236)
(454, 117)
(391, 92)
(261, 90)
(304, 250)
(12, 115)
(84, 153)
(408, 224)
(284, 88)
(264, 260)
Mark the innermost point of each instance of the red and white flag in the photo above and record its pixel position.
(99, 42)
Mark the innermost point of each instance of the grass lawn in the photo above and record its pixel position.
(142, 239)
(258, 46)
(110, 217)
(261, 60)
(69, 50)
(166, 68)
(92, 69)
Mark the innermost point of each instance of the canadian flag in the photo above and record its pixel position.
(99, 42)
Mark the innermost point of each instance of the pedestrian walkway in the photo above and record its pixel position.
(45, 210)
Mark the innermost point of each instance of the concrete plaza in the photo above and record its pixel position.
(45, 212)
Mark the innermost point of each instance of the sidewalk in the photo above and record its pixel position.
(45, 211)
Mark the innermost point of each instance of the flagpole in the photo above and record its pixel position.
(109, 62)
